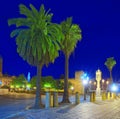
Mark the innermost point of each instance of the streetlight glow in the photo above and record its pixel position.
(114, 88)
(85, 79)
(85, 82)
(103, 80)
(107, 82)
(94, 83)
(72, 88)
(90, 82)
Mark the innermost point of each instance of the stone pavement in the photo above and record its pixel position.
(87, 110)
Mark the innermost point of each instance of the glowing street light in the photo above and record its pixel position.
(114, 88)
(107, 82)
(103, 80)
(85, 80)
(94, 85)
(90, 82)
(72, 88)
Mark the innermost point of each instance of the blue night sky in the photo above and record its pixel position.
(99, 21)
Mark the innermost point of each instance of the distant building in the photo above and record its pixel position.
(5, 80)
(76, 83)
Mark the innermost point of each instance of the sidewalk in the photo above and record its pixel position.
(98, 110)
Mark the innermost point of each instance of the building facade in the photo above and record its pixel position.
(5, 80)
(76, 82)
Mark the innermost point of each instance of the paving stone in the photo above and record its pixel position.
(97, 110)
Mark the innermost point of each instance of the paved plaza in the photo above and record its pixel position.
(85, 110)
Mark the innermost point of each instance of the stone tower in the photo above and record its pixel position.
(1, 61)
(98, 79)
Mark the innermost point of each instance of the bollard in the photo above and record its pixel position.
(55, 99)
(91, 97)
(94, 97)
(51, 100)
(47, 100)
(108, 95)
(103, 96)
(113, 96)
(77, 98)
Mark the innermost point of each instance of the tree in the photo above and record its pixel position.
(110, 63)
(60, 84)
(72, 34)
(33, 81)
(19, 81)
(37, 40)
(48, 80)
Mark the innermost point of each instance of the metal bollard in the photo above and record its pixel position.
(55, 99)
(47, 100)
(94, 97)
(113, 96)
(91, 97)
(51, 100)
(77, 98)
(108, 95)
(103, 96)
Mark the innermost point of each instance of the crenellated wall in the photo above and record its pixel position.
(77, 83)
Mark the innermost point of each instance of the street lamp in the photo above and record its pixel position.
(90, 82)
(103, 84)
(94, 85)
(72, 89)
(114, 88)
(107, 82)
(85, 80)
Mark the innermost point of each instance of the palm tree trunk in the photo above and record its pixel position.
(111, 80)
(38, 102)
(66, 93)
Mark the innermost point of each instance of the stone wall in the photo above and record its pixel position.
(77, 83)
(6, 80)
(4, 91)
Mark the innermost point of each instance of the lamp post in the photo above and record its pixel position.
(94, 85)
(114, 89)
(85, 84)
(107, 82)
(72, 89)
(85, 80)
(103, 84)
(90, 82)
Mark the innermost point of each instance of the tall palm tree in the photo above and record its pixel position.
(110, 63)
(37, 40)
(72, 34)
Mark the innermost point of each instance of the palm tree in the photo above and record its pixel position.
(72, 34)
(110, 63)
(37, 40)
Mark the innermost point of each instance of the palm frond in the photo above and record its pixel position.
(34, 10)
(25, 11)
